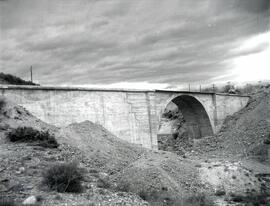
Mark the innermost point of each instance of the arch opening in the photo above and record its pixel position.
(183, 120)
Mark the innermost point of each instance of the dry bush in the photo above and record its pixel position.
(65, 177)
(153, 197)
(29, 134)
(103, 183)
(2, 104)
(252, 199)
(260, 153)
(198, 199)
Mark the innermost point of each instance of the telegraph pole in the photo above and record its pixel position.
(31, 73)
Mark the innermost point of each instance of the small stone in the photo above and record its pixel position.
(4, 126)
(29, 187)
(220, 192)
(103, 175)
(58, 197)
(21, 170)
(267, 141)
(32, 200)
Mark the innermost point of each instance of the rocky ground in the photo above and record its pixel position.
(231, 168)
(22, 166)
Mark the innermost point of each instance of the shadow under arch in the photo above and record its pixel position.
(196, 118)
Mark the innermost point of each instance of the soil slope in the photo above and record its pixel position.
(106, 151)
(22, 166)
(156, 176)
(249, 129)
(244, 135)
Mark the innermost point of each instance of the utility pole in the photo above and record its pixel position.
(31, 73)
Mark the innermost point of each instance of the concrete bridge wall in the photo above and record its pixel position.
(132, 115)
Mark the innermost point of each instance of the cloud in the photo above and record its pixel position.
(253, 64)
(257, 6)
(92, 42)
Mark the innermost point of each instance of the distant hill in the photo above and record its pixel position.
(11, 79)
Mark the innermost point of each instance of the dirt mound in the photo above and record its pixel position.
(161, 178)
(247, 131)
(107, 152)
(22, 166)
(13, 116)
(245, 134)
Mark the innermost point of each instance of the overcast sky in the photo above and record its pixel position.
(77, 42)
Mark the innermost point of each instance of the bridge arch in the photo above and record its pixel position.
(197, 121)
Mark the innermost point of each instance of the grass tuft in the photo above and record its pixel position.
(65, 177)
(2, 104)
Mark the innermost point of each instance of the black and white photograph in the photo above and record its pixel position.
(135, 102)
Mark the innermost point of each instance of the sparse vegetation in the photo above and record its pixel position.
(10, 79)
(169, 114)
(103, 183)
(199, 199)
(260, 153)
(232, 88)
(253, 199)
(29, 134)
(2, 104)
(65, 177)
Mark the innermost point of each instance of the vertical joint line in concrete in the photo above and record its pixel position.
(149, 117)
(136, 125)
(214, 97)
(103, 110)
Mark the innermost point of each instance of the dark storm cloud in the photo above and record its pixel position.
(256, 6)
(84, 42)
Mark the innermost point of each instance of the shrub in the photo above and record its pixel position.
(122, 187)
(261, 199)
(29, 134)
(198, 199)
(65, 177)
(2, 104)
(103, 183)
(260, 153)
(267, 140)
(143, 194)
(172, 115)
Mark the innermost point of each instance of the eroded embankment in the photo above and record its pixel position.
(203, 177)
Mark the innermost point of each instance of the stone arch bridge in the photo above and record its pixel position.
(132, 115)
